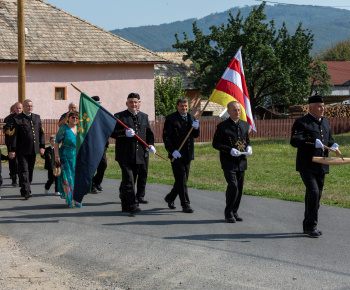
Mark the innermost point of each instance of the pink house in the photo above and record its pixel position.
(62, 49)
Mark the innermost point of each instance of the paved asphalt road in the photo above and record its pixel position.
(161, 248)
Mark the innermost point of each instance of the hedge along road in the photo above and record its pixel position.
(161, 248)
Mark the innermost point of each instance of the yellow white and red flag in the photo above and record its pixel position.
(232, 87)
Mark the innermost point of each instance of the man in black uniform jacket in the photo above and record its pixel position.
(17, 109)
(98, 177)
(232, 140)
(130, 153)
(142, 178)
(26, 140)
(176, 127)
(309, 134)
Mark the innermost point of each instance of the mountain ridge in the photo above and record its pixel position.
(329, 25)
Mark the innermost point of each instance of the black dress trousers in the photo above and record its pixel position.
(235, 181)
(25, 172)
(50, 180)
(126, 189)
(97, 180)
(181, 171)
(142, 179)
(314, 186)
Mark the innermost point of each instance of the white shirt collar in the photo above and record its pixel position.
(315, 117)
(133, 113)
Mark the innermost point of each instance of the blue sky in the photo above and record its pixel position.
(114, 14)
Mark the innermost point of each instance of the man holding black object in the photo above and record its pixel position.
(309, 134)
(130, 153)
(232, 140)
(176, 127)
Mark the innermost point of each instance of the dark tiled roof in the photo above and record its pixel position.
(55, 35)
(177, 67)
(339, 72)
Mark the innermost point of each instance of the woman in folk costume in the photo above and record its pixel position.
(65, 155)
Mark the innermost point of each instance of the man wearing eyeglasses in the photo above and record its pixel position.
(26, 140)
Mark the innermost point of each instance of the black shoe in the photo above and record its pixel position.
(94, 190)
(14, 182)
(124, 208)
(315, 230)
(28, 195)
(99, 187)
(238, 218)
(187, 209)
(230, 220)
(171, 204)
(141, 200)
(313, 234)
(134, 209)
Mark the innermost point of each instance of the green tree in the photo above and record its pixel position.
(320, 79)
(276, 64)
(166, 93)
(339, 51)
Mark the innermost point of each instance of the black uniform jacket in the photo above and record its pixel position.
(27, 135)
(305, 131)
(129, 150)
(174, 132)
(229, 135)
(8, 126)
(49, 158)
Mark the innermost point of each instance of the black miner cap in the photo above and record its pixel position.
(96, 98)
(316, 99)
(133, 95)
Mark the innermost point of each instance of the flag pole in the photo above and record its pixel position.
(189, 132)
(127, 128)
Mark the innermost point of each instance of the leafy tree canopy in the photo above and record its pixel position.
(320, 79)
(339, 51)
(166, 93)
(277, 65)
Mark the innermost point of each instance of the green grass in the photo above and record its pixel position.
(271, 171)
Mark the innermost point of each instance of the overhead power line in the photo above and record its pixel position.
(274, 2)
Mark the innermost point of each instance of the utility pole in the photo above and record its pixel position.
(21, 52)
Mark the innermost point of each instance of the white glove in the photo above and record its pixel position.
(335, 146)
(176, 154)
(151, 149)
(130, 133)
(318, 144)
(195, 124)
(249, 150)
(235, 153)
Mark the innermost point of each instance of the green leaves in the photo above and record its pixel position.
(320, 79)
(166, 93)
(276, 63)
(339, 51)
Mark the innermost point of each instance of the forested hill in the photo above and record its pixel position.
(328, 24)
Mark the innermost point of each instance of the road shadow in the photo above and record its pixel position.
(246, 237)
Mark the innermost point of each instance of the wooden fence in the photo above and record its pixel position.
(269, 129)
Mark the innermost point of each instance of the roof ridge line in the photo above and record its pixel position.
(100, 28)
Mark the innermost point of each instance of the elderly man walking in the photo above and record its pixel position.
(232, 140)
(309, 134)
(26, 140)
